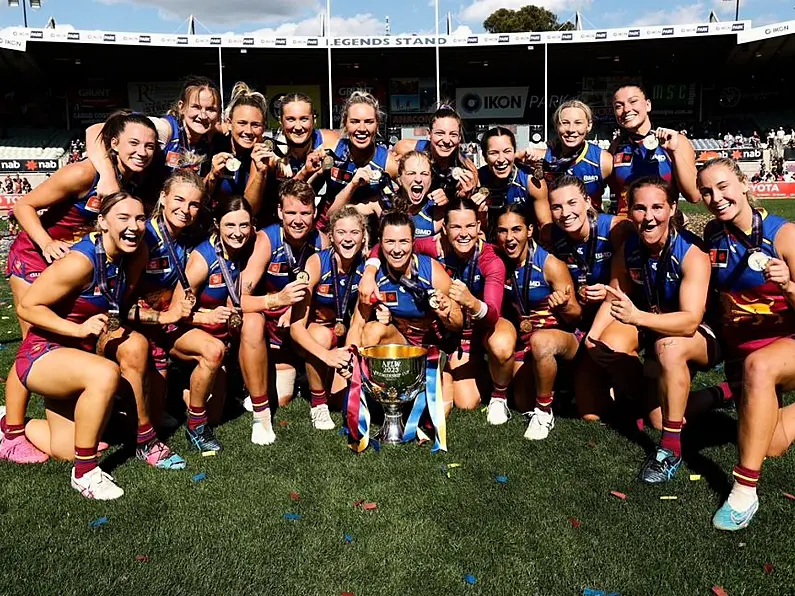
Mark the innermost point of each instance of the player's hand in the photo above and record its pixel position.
(622, 308)
(559, 300)
(293, 293)
(777, 272)
(95, 325)
(54, 250)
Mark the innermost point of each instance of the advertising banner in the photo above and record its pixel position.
(773, 190)
(274, 93)
(491, 102)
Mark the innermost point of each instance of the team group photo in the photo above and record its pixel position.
(383, 337)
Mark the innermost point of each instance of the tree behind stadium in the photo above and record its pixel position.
(527, 18)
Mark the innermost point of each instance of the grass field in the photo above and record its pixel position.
(552, 529)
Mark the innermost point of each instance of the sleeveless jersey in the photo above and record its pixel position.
(160, 278)
(501, 194)
(668, 296)
(564, 248)
(324, 302)
(423, 146)
(424, 224)
(538, 291)
(753, 311)
(177, 152)
(632, 161)
(214, 293)
(411, 313)
(587, 166)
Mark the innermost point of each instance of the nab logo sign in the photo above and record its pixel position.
(601, 35)
(634, 33)
(215, 41)
(568, 36)
(668, 31)
(281, 41)
(311, 42)
(182, 41)
(73, 36)
(472, 39)
(702, 29)
(248, 41)
(109, 37)
(738, 26)
(37, 34)
(504, 39)
(535, 37)
(145, 39)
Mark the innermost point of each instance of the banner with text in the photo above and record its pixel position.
(773, 190)
(491, 102)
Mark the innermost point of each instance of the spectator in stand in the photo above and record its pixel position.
(788, 177)
(26, 187)
(780, 134)
(755, 140)
(728, 140)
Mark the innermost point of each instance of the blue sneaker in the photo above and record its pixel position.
(202, 439)
(158, 455)
(660, 467)
(730, 520)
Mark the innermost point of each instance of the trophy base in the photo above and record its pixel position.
(391, 432)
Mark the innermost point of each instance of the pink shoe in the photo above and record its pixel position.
(21, 451)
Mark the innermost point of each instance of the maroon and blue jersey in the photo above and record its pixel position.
(424, 223)
(408, 301)
(327, 293)
(631, 160)
(179, 154)
(214, 292)
(586, 165)
(754, 312)
(527, 291)
(588, 261)
(160, 278)
(666, 293)
(513, 191)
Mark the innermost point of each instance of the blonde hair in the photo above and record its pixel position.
(243, 95)
(361, 97)
(573, 104)
(352, 212)
(734, 167)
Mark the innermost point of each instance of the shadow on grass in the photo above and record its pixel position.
(714, 429)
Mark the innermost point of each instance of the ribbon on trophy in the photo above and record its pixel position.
(430, 397)
(357, 414)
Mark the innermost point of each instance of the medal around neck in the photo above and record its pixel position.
(114, 320)
(433, 300)
(375, 176)
(457, 173)
(757, 261)
(235, 320)
(650, 142)
(268, 145)
(233, 164)
(340, 330)
(302, 276)
(327, 163)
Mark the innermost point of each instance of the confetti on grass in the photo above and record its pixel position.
(199, 477)
(142, 558)
(294, 496)
(789, 496)
(348, 538)
(768, 568)
(292, 516)
(98, 522)
(208, 453)
(501, 479)
(694, 477)
(470, 579)
(369, 506)
(718, 591)
(668, 498)
(621, 496)
(575, 523)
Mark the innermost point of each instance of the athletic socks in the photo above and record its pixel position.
(672, 436)
(544, 402)
(260, 405)
(85, 460)
(11, 431)
(499, 391)
(197, 415)
(145, 434)
(743, 494)
(319, 398)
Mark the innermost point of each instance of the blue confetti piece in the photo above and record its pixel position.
(199, 477)
(501, 479)
(98, 522)
(292, 516)
(348, 538)
(376, 445)
(470, 579)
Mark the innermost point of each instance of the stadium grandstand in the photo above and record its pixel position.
(709, 80)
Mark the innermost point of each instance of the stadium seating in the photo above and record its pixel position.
(34, 144)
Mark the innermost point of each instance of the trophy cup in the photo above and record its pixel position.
(394, 375)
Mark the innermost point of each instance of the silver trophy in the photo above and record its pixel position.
(394, 375)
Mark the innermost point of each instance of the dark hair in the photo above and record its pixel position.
(516, 208)
(295, 98)
(110, 201)
(653, 182)
(118, 121)
(637, 86)
(497, 131)
(395, 218)
(298, 189)
(191, 85)
(565, 181)
(231, 203)
(460, 204)
(447, 111)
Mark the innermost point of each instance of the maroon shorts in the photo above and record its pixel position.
(161, 339)
(33, 347)
(25, 260)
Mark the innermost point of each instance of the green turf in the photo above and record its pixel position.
(227, 534)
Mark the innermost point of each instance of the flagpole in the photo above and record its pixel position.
(436, 46)
(330, 88)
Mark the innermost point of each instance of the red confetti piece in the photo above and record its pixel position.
(370, 506)
(621, 496)
(768, 568)
(789, 496)
(591, 444)
(283, 423)
(142, 558)
(294, 496)
(575, 523)
(358, 503)
(347, 594)
(718, 591)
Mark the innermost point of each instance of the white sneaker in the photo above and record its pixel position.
(540, 424)
(247, 404)
(262, 430)
(498, 411)
(97, 484)
(321, 418)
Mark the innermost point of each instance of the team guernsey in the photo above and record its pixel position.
(342, 173)
(78, 309)
(280, 272)
(214, 293)
(407, 300)
(327, 293)
(67, 221)
(587, 166)
(512, 192)
(631, 160)
(179, 154)
(160, 278)
(640, 265)
(754, 312)
(424, 224)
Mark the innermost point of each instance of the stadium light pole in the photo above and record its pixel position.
(35, 4)
(546, 89)
(328, 50)
(436, 45)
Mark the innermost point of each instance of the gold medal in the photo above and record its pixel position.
(190, 297)
(581, 293)
(375, 176)
(457, 173)
(327, 163)
(538, 172)
(526, 326)
(268, 145)
(235, 320)
(650, 142)
(484, 192)
(757, 261)
(233, 164)
(433, 301)
(340, 329)
(302, 276)
(114, 321)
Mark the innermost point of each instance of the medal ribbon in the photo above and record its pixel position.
(653, 293)
(430, 397)
(169, 241)
(294, 265)
(233, 288)
(114, 298)
(357, 415)
(585, 263)
(341, 306)
(412, 283)
(754, 243)
(521, 294)
(467, 275)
